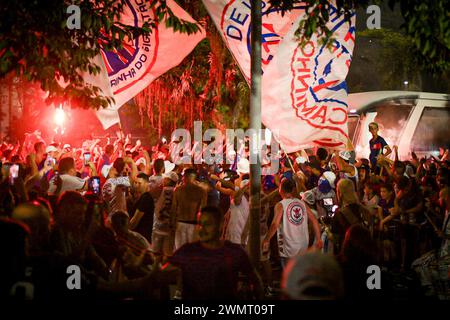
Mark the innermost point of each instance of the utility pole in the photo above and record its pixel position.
(255, 125)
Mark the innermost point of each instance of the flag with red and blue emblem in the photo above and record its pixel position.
(304, 92)
(140, 61)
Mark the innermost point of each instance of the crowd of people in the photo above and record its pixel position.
(141, 227)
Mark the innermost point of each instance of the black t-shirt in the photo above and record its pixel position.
(211, 274)
(146, 205)
(376, 148)
(386, 205)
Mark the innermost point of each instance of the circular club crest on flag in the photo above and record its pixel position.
(296, 213)
(235, 24)
(318, 87)
(136, 58)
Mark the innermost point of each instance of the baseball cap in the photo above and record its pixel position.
(243, 166)
(313, 276)
(171, 175)
(346, 155)
(168, 166)
(308, 197)
(67, 146)
(330, 177)
(50, 148)
(105, 170)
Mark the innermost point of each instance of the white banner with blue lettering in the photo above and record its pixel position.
(304, 92)
(232, 19)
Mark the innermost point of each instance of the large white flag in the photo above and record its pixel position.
(304, 93)
(132, 68)
(232, 19)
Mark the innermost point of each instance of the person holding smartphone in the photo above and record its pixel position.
(13, 173)
(68, 175)
(323, 195)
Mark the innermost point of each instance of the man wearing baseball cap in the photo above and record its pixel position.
(346, 169)
(323, 195)
(313, 276)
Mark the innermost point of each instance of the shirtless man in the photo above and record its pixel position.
(188, 199)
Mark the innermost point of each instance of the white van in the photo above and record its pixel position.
(414, 121)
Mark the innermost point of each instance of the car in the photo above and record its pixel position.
(414, 121)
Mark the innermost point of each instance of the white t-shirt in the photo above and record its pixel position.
(69, 183)
(293, 235)
(238, 219)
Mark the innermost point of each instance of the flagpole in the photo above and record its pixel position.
(255, 124)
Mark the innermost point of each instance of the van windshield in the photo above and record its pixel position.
(432, 132)
(391, 116)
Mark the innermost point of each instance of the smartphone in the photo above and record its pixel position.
(87, 157)
(328, 201)
(94, 185)
(13, 173)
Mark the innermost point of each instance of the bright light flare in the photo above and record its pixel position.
(59, 117)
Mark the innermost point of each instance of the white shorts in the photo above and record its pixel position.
(184, 234)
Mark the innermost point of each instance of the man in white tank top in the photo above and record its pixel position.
(290, 222)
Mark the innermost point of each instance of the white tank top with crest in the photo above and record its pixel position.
(293, 236)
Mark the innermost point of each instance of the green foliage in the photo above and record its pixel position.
(317, 16)
(36, 44)
(395, 62)
(427, 24)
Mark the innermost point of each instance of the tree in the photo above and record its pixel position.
(426, 24)
(37, 45)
